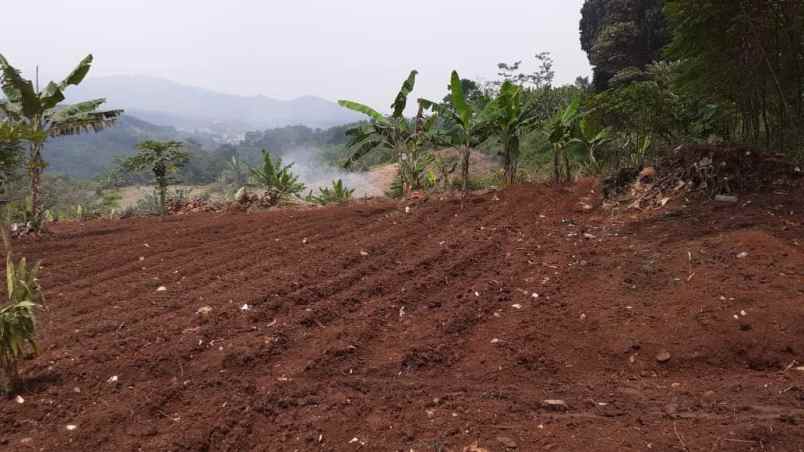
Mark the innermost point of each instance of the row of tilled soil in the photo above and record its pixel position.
(525, 319)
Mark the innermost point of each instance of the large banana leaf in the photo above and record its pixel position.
(77, 75)
(402, 98)
(361, 149)
(85, 121)
(463, 110)
(18, 90)
(360, 108)
(440, 109)
(74, 110)
(572, 112)
(51, 96)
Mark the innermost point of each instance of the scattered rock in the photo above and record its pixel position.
(161, 289)
(709, 395)
(507, 442)
(357, 440)
(364, 253)
(516, 306)
(726, 198)
(647, 175)
(19, 400)
(245, 307)
(112, 380)
(663, 357)
(71, 427)
(742, 255)
(589, 236)
(800, 368)
(204, 310)
(555, 405)
(26, 440)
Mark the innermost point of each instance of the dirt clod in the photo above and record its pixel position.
(555, 405)
(507, 442)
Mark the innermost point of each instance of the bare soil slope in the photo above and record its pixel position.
(366, 328)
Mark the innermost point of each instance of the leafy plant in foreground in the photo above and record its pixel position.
(17, 322)
(338, 193)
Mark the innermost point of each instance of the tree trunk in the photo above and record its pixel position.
(556, 166)
(508, 163)
(465, 168)
(567, 167)
(162, 199)
(36, 179)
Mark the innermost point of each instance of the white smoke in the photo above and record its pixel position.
(315, 174)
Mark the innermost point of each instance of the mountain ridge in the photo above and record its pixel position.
(168, 103)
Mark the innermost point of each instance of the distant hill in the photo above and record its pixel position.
(189, 108)
(88, 154)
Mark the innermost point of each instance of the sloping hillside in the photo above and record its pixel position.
(88, 154)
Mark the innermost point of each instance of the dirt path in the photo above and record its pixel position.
(366, 328)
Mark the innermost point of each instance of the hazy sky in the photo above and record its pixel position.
(355, 49)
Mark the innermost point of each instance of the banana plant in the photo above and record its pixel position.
(43, 118)
(512, 118)
(405, 138)
(17, 320)
(560, 132)
(276, 178)
(591, 139)
(469, 127)
(337, 193)
(234, 171)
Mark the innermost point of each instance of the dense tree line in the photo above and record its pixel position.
(687, 70)
(747, 55)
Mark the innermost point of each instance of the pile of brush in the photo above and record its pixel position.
(702, 171)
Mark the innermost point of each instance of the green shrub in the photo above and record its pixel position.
(17, 323)
(278, 180)
(338, 193)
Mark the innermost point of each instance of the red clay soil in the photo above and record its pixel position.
(366, 328)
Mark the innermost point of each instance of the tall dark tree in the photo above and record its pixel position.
(622, 35)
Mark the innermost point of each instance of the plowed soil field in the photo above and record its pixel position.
(522, 320)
